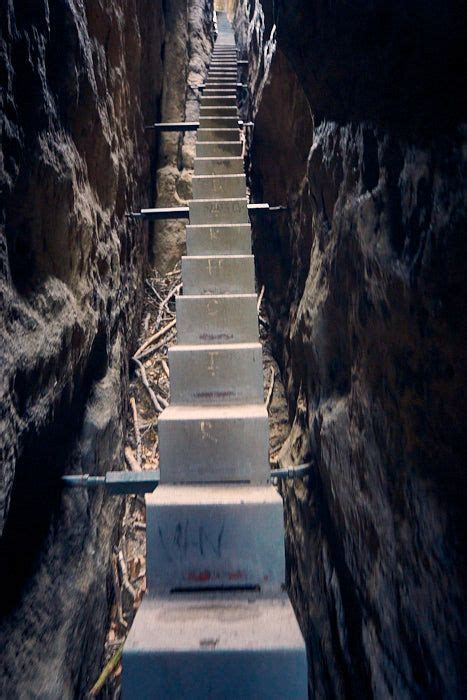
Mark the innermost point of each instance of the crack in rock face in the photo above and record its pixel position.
(364, 294)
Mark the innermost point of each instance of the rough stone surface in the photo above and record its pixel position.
(357, 129)
(189, 44)
(79, 80)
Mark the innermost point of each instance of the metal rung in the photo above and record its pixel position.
(117, 483)
(184, 212)
(174, 126)
(125, 482)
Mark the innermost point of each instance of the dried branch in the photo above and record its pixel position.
(153, 338)
(151, 393)
(166, 300)
(271, 389)
(106, 672)
(159, 345)
(118, 594)
(124, 575)
(131, 460)
(260, 298)
(137, 433)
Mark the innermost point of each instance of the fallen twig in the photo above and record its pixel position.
(124, 575)
(118, 594)
(271, 389)
(151, 393)
(131, 460)
(111, 664)
(153, 338)
(166, 300)
(162, 400)
(260, 298)
(159, 345)
(165, 367)
(137, 432)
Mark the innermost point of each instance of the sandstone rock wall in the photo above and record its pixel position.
(80, 79)
(189, 44)
(358, 129)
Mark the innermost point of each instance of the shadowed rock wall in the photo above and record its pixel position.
(358, 117)
(79, 79)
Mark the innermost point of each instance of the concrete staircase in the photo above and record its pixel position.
(216, 622)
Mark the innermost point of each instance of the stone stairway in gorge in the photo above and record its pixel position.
(216, 621)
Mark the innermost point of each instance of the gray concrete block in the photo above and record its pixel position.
(218, 166)
(213, 536)
(227, 318)
(219, 186)
(216, 374)
(232, 134)
(229, 239)
(219, 211)
(221, 149)
(207, 101)
(219, 111)
(218, 122)
(206, 444)
(218, 274)
(224, 83)
(229, 646)
(222, 90)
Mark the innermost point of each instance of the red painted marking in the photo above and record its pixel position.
(199, 576)
(236, 575)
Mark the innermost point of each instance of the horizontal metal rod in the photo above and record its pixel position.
(292, 472)
(184, 212)
(126, 482)
(174, 126)
(117, 483)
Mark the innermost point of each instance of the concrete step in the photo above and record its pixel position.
(219, 149)
(229, 239)
(219, 101)
(219, 111)
(230, 90)
(220, 92)
(216, 374)
(218, 274)
(214, 536)
(219, 211)
(219, 186)
(211, 646)
(222, 68)
(218, 122)
(214, 444)
(221, 83)
(225, 318)
(232, 134)
(218, 166)
(222, 73)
